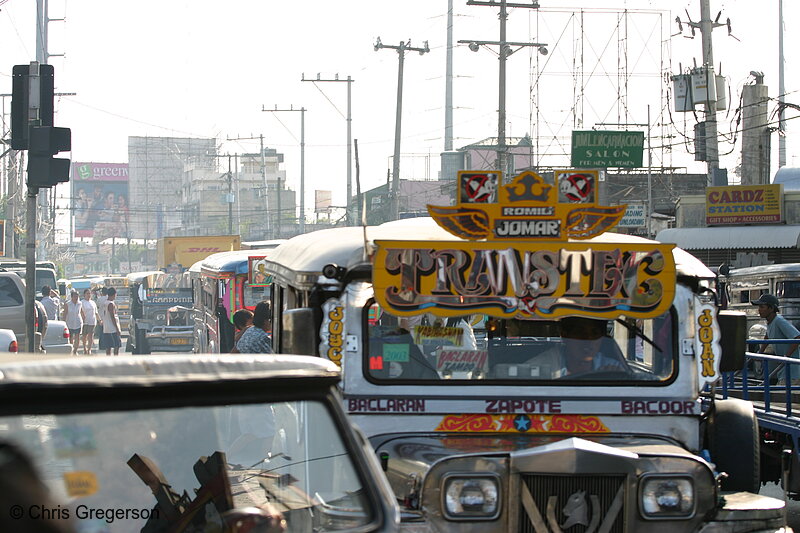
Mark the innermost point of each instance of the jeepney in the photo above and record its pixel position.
(485, 413)
(161, 313)
(185, 443)
(223, 283)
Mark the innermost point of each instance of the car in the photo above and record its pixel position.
(57, 338)
(215, 440)
(8, 341)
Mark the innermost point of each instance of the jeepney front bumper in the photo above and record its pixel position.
(572, 485)
(171, 338)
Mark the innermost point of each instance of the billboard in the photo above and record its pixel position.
(100, 200)
(744, 204)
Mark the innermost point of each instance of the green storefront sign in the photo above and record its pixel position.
(602, 149)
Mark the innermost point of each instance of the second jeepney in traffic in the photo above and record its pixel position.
(517, 367)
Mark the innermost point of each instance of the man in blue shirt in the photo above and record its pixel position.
(777, 327)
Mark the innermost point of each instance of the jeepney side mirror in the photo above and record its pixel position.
(297, 334)
(733, 334)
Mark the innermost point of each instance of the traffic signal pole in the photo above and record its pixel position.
(32, 129)
(34, 119)
(30, 267)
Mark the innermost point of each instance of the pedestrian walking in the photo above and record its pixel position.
(90, 319)
(242, 319)
(777, 328)
(51, 302)
(41, 324)
(112, 339)
(256, 339)
(102, 307)
(74, 317)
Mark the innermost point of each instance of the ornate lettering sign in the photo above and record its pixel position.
(529, 208)
(332, 331)
(707, 343)
(504, 280)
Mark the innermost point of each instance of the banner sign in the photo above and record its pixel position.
(602, 149)
(100, 200)
(546, 280)
(744, 204)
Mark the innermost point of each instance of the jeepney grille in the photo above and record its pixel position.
(558, 489)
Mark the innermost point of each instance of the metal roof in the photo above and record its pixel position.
(105, 371)
(733, 237)
(235, 261)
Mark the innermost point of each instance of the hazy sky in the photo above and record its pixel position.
(203, 68)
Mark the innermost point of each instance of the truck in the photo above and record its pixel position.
(519, 367)
(186, 251)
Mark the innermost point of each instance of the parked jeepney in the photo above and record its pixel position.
(223, 283)
(519, 368)
(740, 286)
(161, 313)
(185, 443)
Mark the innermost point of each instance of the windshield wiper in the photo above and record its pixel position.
(639, 333)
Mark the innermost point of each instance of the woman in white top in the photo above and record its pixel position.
(90, 318)
(73, 316)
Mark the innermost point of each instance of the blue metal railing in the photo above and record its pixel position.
(745, 381)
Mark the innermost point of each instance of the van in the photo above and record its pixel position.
(12, 307)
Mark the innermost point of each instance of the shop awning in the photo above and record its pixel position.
(733, 237)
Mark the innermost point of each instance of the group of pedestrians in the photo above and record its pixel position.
(83, 316)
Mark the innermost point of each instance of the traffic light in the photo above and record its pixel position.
(44, 170)
(31, 101)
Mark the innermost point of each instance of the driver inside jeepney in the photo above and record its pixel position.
(585, 347)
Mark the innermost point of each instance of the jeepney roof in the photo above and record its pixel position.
(302, 258)
(148, 371)
(766, 269)
(139, 276)
(234, 261)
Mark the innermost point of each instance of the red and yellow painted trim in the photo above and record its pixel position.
(522, 423)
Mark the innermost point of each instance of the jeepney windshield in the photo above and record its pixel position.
(477, 348)
(158, 469)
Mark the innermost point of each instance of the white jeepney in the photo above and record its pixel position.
(519, 368)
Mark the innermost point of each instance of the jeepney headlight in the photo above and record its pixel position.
(667, 497)
(473, 497)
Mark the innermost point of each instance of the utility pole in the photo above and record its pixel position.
(505, 49)
(781, 92)
(302, 221)
(349, 81)
(401, 52)
(229, 197)
(263, 173)
(448, 83)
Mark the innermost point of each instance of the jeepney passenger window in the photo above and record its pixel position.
(787, 289)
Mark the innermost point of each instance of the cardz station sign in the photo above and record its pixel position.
(538, 273)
